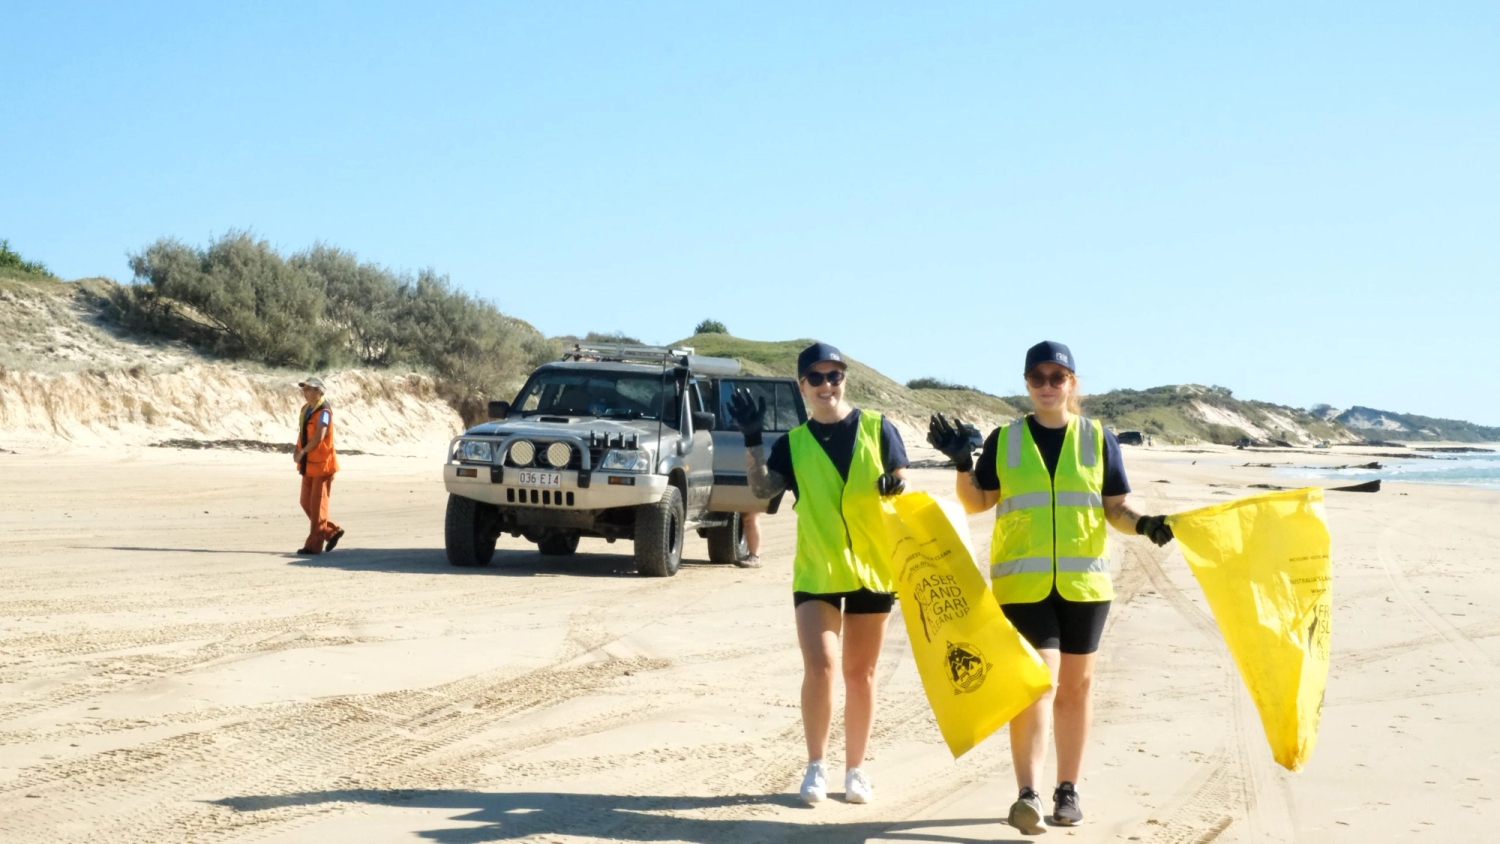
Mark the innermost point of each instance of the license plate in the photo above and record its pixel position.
(525, 478)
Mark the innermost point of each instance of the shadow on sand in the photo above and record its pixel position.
(507, 563)
(507, 816)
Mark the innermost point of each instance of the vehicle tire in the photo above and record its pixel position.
(727, 544)
(470, 529)
(658, 535)
(557, 543)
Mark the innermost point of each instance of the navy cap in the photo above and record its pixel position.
(817, 353)
(1049, 352)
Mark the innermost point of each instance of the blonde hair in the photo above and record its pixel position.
(1075, 396)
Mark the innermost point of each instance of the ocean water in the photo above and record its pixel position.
(1464, 469)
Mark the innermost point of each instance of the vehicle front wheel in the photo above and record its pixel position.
(727, 544)
(557, 543)
(658, 535)
(470, 529)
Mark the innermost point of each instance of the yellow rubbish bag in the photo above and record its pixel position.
(977, 670)
(1263, 563)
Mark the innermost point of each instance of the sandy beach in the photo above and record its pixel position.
(170, 672)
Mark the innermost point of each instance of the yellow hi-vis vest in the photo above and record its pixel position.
(840, 529)
(1050, 529)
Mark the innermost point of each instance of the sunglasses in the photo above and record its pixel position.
(833, 378)
(1039, 380)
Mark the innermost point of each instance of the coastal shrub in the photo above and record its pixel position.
(244, 299)
(11, 261)
(937, 384)
(710, 326)
(1223, 434)
(323, 307)
(610, 337)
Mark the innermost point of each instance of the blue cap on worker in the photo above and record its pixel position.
(1049, 352)
(818, 353)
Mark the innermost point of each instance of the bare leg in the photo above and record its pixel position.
(818, 636)
(1073, 713)
(1028, 731)
(751, 523)
(864, 633)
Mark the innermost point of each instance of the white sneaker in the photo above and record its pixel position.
(815, 783)
(857, 787)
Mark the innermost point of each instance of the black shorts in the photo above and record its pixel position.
(858, 602)
(1073, 627)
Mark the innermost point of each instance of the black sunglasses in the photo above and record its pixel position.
(833, 378)
(1038, 380)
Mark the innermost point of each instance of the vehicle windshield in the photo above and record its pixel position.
(615, 395)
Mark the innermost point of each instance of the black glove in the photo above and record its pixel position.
(950, 439)
(889, 484)
(746, 415)
(1154, 528)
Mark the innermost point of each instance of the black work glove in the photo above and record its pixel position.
(1154, 528)
(746, 415)
(950, 439)
(889, 484)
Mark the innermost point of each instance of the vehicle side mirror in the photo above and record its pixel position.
(499, 409)
(703, 420)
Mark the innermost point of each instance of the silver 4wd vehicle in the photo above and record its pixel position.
(615, 441)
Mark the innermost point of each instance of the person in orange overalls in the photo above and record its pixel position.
(317, 462)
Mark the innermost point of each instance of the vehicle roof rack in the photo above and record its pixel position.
(664, 355)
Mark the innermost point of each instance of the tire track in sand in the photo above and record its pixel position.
(146, 793)
(1239, 786)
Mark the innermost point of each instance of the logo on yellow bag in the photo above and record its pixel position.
(940, 600)
(967, 667)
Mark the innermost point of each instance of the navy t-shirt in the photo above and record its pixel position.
(838, 440)
(1049, 441)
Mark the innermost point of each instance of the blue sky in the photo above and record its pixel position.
(1297, 201)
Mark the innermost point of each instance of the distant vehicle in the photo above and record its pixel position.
(976, 436)
(1323, 444)
(615, 441)
(1130, 438)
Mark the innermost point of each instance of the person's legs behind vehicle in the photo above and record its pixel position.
(750, 523)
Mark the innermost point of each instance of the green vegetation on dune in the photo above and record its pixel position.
(1385, 424)
(1173, 413)
(867, 386)
(323, 308)
(14, 266)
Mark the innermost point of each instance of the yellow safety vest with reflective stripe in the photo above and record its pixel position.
(1050, 529)
(840, 529)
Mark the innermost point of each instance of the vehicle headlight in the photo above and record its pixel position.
(558, 455)
(626, 460)
(474, 451)
(522, 452)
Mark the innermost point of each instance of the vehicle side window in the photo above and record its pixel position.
(695, 398)
(786, 408)
(780, 399)
(672, 407)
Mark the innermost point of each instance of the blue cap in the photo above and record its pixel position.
(817, 353)
(1049, 352)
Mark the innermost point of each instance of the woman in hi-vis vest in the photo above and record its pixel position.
(838, 463)
(1056, 477)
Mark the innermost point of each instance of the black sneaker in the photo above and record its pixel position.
(333, 541)
(1065, 811)
(1026, 813)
